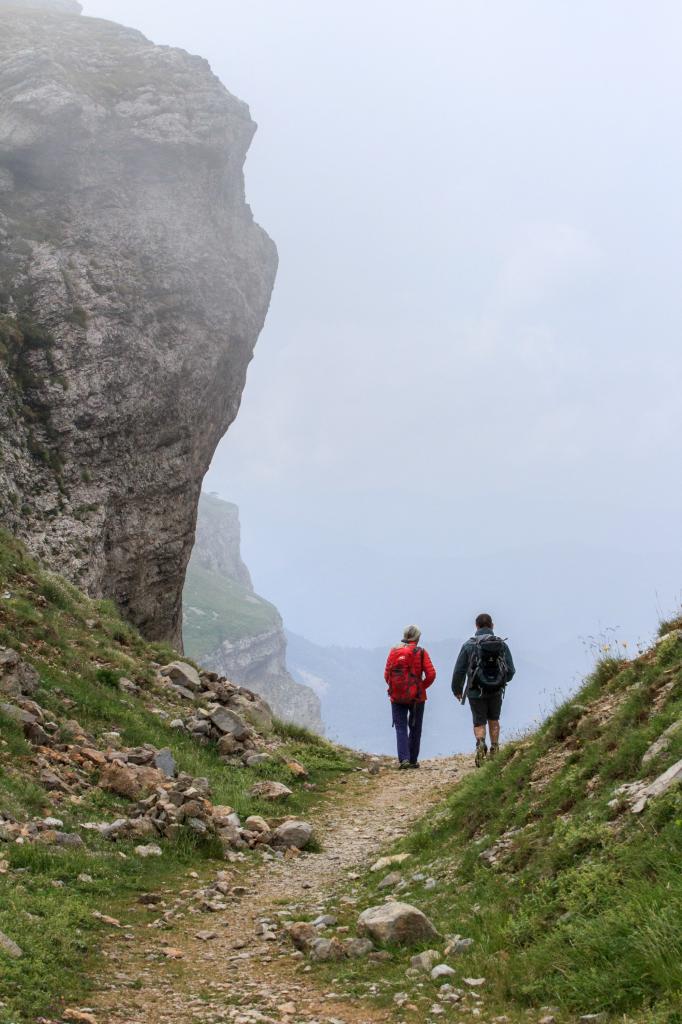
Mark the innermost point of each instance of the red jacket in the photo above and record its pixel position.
(428, 671)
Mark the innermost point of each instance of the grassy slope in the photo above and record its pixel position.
(219, 609)
(46, 619)
(585, 912)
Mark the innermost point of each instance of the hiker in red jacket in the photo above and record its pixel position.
(409, 672)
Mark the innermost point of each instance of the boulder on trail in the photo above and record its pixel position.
(396, 923)
(269, 790)
(294, 833)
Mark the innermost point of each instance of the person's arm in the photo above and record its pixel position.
(511, 668)
(428, 671)
(460, 672)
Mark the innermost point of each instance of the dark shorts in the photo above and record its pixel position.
(486, 709)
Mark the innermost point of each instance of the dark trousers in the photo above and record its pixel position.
(407, 722)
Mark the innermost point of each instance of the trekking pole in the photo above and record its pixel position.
(465, 692)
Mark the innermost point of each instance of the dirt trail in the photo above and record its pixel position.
(238, 976)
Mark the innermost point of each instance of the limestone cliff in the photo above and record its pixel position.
(133, 286)
(230, 629)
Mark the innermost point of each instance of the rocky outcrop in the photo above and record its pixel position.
(229, 628)
(259, 663)
(217, 544)
(133, 286)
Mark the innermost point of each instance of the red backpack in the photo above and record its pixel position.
(405, 674)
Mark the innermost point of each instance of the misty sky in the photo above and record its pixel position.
(467, 394)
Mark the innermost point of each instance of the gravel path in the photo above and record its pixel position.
(170, 976)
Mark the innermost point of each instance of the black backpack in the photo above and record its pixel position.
(488, 663)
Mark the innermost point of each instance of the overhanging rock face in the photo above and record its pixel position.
(133, 286)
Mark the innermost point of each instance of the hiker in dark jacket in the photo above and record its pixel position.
(485, 664)
(409, 672)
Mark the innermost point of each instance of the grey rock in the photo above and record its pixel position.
(16, 675)
(18, 715)
(182, 674)
(230, 722)
(425, 961)
(255, 759)
(325, 921)
(200, 726)
(165, 762)
(357, 948)
(270, 790)
(293, 833)
(637, 794)
(396, 923)
(10, 947)
(141, 301)
(662, 743)
(327, 949)
(68, 839)
(150, 850)
(255, 823)
(442, 971)
(390, 880)
(183, 692)
(458, 945)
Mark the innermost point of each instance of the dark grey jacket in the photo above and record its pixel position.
(462, 665)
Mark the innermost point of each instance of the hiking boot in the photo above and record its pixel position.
(414, 764)
(481, 753)
(494, 749)
(404, 764)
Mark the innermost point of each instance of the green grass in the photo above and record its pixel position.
(584, 911)
(219, 609)
(81, 648)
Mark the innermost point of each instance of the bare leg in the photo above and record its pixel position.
(494, 732)
(481, 749)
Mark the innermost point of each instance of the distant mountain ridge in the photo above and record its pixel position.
(229, 628)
